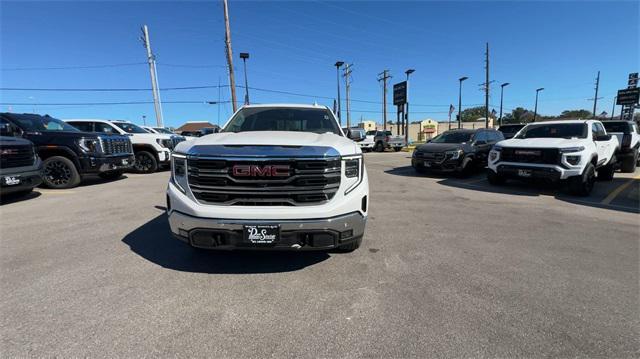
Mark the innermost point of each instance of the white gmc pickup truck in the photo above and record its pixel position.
(276, 177)
(571, 151)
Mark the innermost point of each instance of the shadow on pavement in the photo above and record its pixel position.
(92, 180)
(409, 171)
(153, 241)
(18, 197)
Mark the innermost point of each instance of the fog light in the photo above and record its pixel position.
(573, 160)
(346, 234)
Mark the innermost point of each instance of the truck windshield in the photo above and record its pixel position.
(130, 127)
(622, 126)
(37, 123)
(453, 137)
(555, 130)
(283, 119)
(163, 130)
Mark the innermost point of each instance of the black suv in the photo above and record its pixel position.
(460, 151)
(67, 153)
(20, 166)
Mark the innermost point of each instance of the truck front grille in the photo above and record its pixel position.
(433, 156)
(296, 182)
(116, 146)
(530, 155)
(16, 156)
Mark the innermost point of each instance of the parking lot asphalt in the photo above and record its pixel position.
(449, 267)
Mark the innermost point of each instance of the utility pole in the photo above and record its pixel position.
(151, 58)
(144, 120)
(486, 90)
(595, 98)
(347, 83)
(384, 76)
(227, 41)
(613, 109)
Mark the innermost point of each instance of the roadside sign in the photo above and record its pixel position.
(633, 80)
(628, 97)
(400, 93)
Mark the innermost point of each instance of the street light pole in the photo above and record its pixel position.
(613, 109)
(406, 115)
(460, 100)
(535, 110)
(501, 97)
(338, 65)
(244, 56)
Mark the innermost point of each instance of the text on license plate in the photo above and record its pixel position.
(262, 233)
(524, 173)
(11, 180)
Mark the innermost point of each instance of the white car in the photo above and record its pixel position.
(151, 150)
(278, 177)
(366, 145)
(571, 151)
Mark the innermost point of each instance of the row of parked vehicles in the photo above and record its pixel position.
(44, 150)
(575, 152)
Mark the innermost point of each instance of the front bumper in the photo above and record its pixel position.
(164, 156)
(105, 164)
(431, 165)
(550, 173)
(365, 144)
(295, 234)
(29, 178)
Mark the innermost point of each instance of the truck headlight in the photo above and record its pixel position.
(571, 149)
(165, 142)
(179, 171)
(493, 155)
(353, 167)
(454, 155)
(90, 145)
(573, 160)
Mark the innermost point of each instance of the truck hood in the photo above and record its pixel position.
(439, 147)
(152, 136)
(542, 142)
(343, 145)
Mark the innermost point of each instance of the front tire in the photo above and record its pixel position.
(583, 185)
(605, 173)
(145, 162)
(628, 165)
(495, 179)
(60, 172)
(379, 147)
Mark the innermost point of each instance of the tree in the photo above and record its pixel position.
(472, 113)
(575, 114)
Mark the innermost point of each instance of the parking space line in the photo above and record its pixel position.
(618, 190)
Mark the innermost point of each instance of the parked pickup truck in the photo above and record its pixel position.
(67, 153)
(152, 150)
(386, 139)
(20, 166)
(571, 151)
(628, 135)
(278, 177)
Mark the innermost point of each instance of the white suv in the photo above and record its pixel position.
(556, 150)
(277, 177)
(152, 150)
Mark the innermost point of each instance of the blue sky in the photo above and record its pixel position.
(293, 45)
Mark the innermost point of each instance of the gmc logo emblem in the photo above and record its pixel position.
(261, 171)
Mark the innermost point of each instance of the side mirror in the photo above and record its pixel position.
(602, 138)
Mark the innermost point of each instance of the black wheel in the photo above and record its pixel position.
(59, 172)
(605, 173)
(145, 162)
(111, 175)
(466, 168)
(379, 147)
(397, 149)
(583, 184)
(495, 179)
(628, 165)
(346, 248)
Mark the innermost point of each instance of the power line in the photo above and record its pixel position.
(107, 89)
(104, 103)
(71, 67)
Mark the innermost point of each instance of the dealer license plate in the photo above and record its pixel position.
(262, 233)
(427, 163)
(12, 180)
(524, 173)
